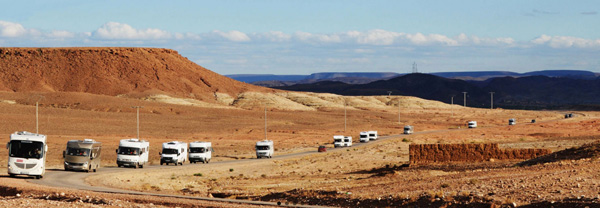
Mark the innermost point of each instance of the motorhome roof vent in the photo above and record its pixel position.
(88, 140)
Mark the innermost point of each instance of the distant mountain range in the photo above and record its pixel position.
(270, 80)
(529, 92)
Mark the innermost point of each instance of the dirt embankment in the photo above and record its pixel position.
(421, 153)
(112, 71)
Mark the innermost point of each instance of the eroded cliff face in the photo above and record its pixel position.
(426, 153)
(112, 71)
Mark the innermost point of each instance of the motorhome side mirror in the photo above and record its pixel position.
(160, 153)
(64, 153)
(7, 145)
(178, 154)
(117, 151)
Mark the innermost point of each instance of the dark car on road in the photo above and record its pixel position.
(322, 149)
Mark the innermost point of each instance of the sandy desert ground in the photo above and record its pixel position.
(371, 175)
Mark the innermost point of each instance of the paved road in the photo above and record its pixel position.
(76, 180)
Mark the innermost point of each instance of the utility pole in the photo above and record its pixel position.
(389, 93)
(37, 127)
(399, 112)
(344, 114)
(465, 99)
(452, 105)
(265, 122)
(492, 102)
(37, 123)
(138, 119)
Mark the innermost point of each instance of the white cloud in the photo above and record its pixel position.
(375, 37)
(115, 30)
(566, 42)
(234, 35)
(61, 34)
(317, 38)
(274, 36)
(11, 29)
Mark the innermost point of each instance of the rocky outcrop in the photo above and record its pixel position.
(427, 153)
(112, 71)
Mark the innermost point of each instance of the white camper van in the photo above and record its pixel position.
(200, 152)
(133, 153)
(373, 135)
(83, 155)
(264, 149)
(27, 154)
(338, 141)
(173, 152)
(512, 121)
(347, 141)
(472, 124)
(364, 136)
(408, 129)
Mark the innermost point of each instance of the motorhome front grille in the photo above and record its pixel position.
(76, 164)
(25, 165)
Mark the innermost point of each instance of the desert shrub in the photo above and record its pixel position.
(198, 174)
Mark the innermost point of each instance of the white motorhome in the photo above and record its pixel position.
(338, 141)
(512, 121)
(133, 153)
(27, 154)
(364, 136)
(472, 124)
(173, 152)
(200, 152)
(408, 129)
(373, 135)
(83, 155)
(264, 149)
(347, 141)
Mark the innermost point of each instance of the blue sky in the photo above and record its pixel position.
(302, 36)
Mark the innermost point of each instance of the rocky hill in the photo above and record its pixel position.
(112, 71)
(530, 92)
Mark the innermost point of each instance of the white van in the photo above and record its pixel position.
(264, 149)
(173, 152)
(133, 153)
(472, 124)
(408, 129)
(338, 141)
(512, 121)
(373, 135)
(27, 154)
(364, 136)
(200, 152)
(347, 141)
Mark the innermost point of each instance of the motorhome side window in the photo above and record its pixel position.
(262, 147)
(169, 151)
(197, 150)
(129, 151)
(78, 152)
(26, 149)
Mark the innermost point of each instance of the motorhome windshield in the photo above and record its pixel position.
(372, 135)
(78, 152)
(337, 140)
(363, 136)
(129, 151)
(26, 149)
(197, 150)
(346, 140)
(170, 151)
(407, 128)
(262, 147)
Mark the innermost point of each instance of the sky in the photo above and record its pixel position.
(310, 36)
